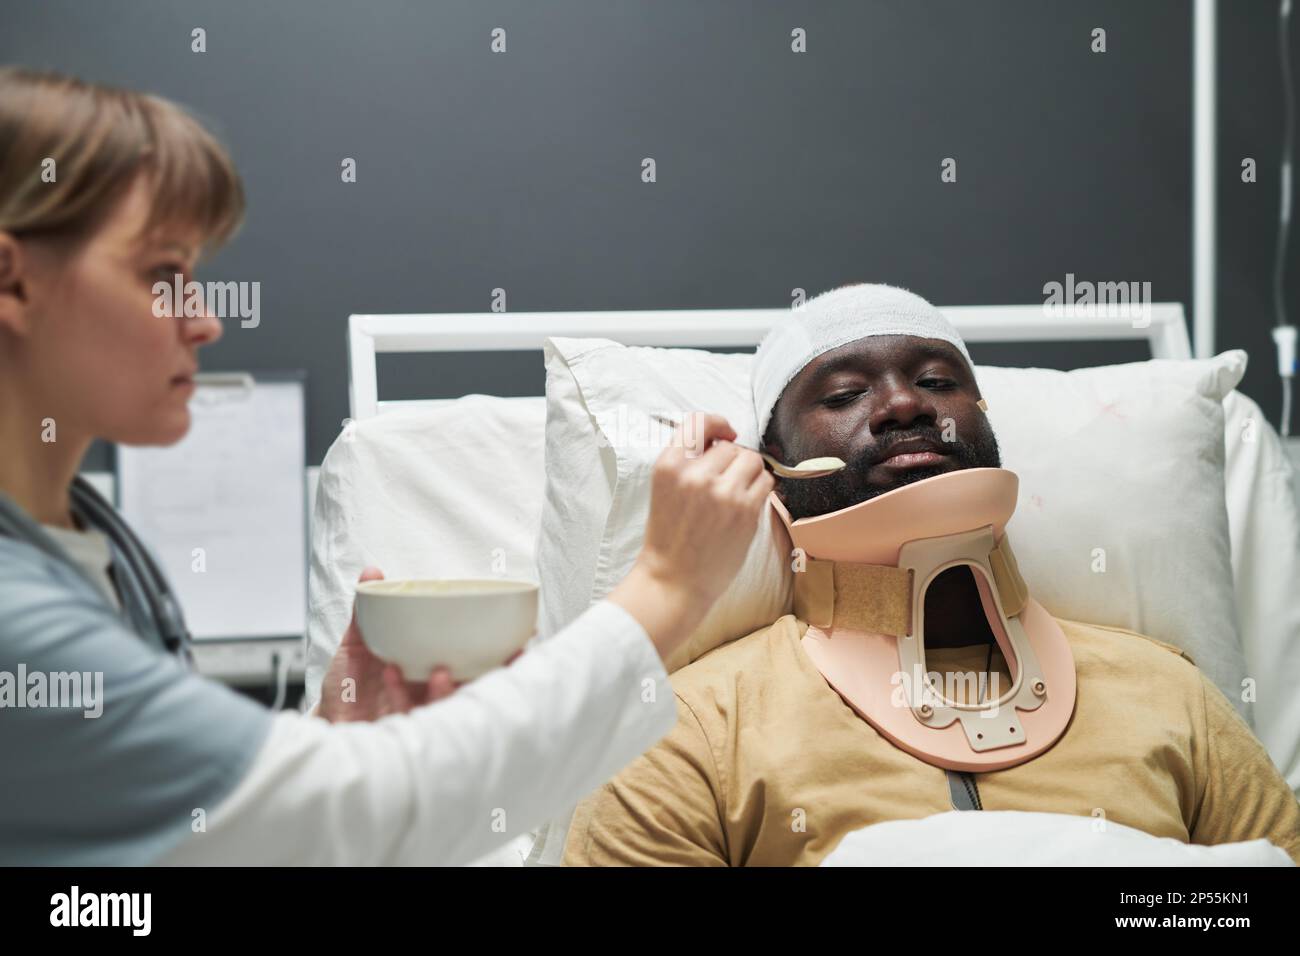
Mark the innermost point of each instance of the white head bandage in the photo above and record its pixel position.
(837, 318)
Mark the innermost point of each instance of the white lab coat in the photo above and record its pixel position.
(449, 782)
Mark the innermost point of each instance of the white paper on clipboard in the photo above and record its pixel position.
(228, 499)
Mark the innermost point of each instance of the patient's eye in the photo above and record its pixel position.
(839, 398)
(939, 383)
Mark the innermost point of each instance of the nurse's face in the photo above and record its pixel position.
(896, 408)
(90, 349)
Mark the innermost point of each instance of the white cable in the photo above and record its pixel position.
(1284, 334)
(280, 669)
(1286, 407)
(1288, 148)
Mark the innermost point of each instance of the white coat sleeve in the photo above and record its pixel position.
(451, 781)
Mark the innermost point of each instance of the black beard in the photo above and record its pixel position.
(818, 496)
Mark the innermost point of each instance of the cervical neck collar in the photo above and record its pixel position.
(862, 590)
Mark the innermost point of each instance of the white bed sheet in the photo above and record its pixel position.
(1264, 527)
(1019, 838)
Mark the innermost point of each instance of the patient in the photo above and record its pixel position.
(768, 765)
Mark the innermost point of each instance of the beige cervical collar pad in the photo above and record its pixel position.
(877, 598)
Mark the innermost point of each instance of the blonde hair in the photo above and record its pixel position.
(100, 140)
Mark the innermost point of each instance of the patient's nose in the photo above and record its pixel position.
(901, 402)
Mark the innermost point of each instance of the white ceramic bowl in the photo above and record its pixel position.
(471, 626)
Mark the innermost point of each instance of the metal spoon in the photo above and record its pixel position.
(810, 468)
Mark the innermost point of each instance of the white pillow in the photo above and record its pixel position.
(601, 446)
(1264, 520)
(406, 492)
(1125, 463)
(1021, 838)
(1128, 458)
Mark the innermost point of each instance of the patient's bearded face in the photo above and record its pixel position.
(859, 402)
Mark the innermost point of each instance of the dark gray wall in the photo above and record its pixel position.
(775, 170)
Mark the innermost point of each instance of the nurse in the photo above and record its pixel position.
(104, 193)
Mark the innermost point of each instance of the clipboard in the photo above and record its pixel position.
(224, 510)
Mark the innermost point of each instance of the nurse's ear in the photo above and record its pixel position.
(13, 286)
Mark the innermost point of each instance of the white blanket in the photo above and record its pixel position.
(1017, 838)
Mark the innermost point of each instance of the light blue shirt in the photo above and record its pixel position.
(121, 788)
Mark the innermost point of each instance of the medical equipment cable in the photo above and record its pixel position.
(280, 670)
(1284, 333)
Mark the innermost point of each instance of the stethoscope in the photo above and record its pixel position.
(164, 608)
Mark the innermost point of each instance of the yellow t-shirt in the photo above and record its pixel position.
(762, 742)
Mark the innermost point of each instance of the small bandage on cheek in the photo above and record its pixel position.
(983, 405)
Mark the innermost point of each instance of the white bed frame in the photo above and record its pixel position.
(371, 335)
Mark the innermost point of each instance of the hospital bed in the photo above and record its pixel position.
(388, 493)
